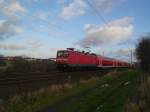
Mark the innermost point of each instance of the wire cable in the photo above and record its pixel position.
(97, 12)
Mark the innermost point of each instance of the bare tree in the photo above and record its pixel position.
(143, 53)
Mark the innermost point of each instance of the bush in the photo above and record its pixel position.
(143, 53)
(25, 66)
(2, 63)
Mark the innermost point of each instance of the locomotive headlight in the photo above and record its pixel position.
(65, 60)
(62, 60)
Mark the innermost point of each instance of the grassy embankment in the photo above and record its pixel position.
(110, 96)
(107, 94)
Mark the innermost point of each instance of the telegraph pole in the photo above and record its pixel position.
(131, 56)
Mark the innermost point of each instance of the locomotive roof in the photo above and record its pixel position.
(82, 52)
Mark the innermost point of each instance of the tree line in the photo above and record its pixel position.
(21, 65)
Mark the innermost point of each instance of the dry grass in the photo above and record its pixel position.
(35, 100)
(140, 100)
(112, 73)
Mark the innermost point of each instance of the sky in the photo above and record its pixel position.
(38, 28)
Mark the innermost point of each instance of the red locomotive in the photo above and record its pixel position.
(75, 59)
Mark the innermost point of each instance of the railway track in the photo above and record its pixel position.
(52, 78)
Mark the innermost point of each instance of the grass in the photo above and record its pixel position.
(139, 101)
(107, 94)
(34, 101)
(106, 99)
(4, 65)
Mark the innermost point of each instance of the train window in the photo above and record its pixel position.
(65, 54)
(62, 54)
(59, 54)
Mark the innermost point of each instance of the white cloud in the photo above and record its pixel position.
(123, 54)
(105, 5)
(5, 46)
(41, 15)
(79, 7)
(114, 32)
(75, 8)
(29, 45)
(88, 27)
(34, 44)
(62, 2)
(8, 29)
(11, 8)
(11, 11)
(35, 0)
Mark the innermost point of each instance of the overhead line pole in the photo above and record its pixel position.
(131, 56)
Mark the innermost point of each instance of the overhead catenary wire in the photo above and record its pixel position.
(97, 12)
(90, 4)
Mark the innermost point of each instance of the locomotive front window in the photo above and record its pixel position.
(62, 54)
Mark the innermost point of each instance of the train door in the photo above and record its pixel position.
(99, 62)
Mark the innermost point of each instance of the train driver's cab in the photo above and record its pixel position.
(62, 54)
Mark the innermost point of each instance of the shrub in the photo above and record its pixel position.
(143, 53)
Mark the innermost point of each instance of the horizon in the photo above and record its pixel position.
(38, 28)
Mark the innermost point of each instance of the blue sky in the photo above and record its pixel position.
(38, 28)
